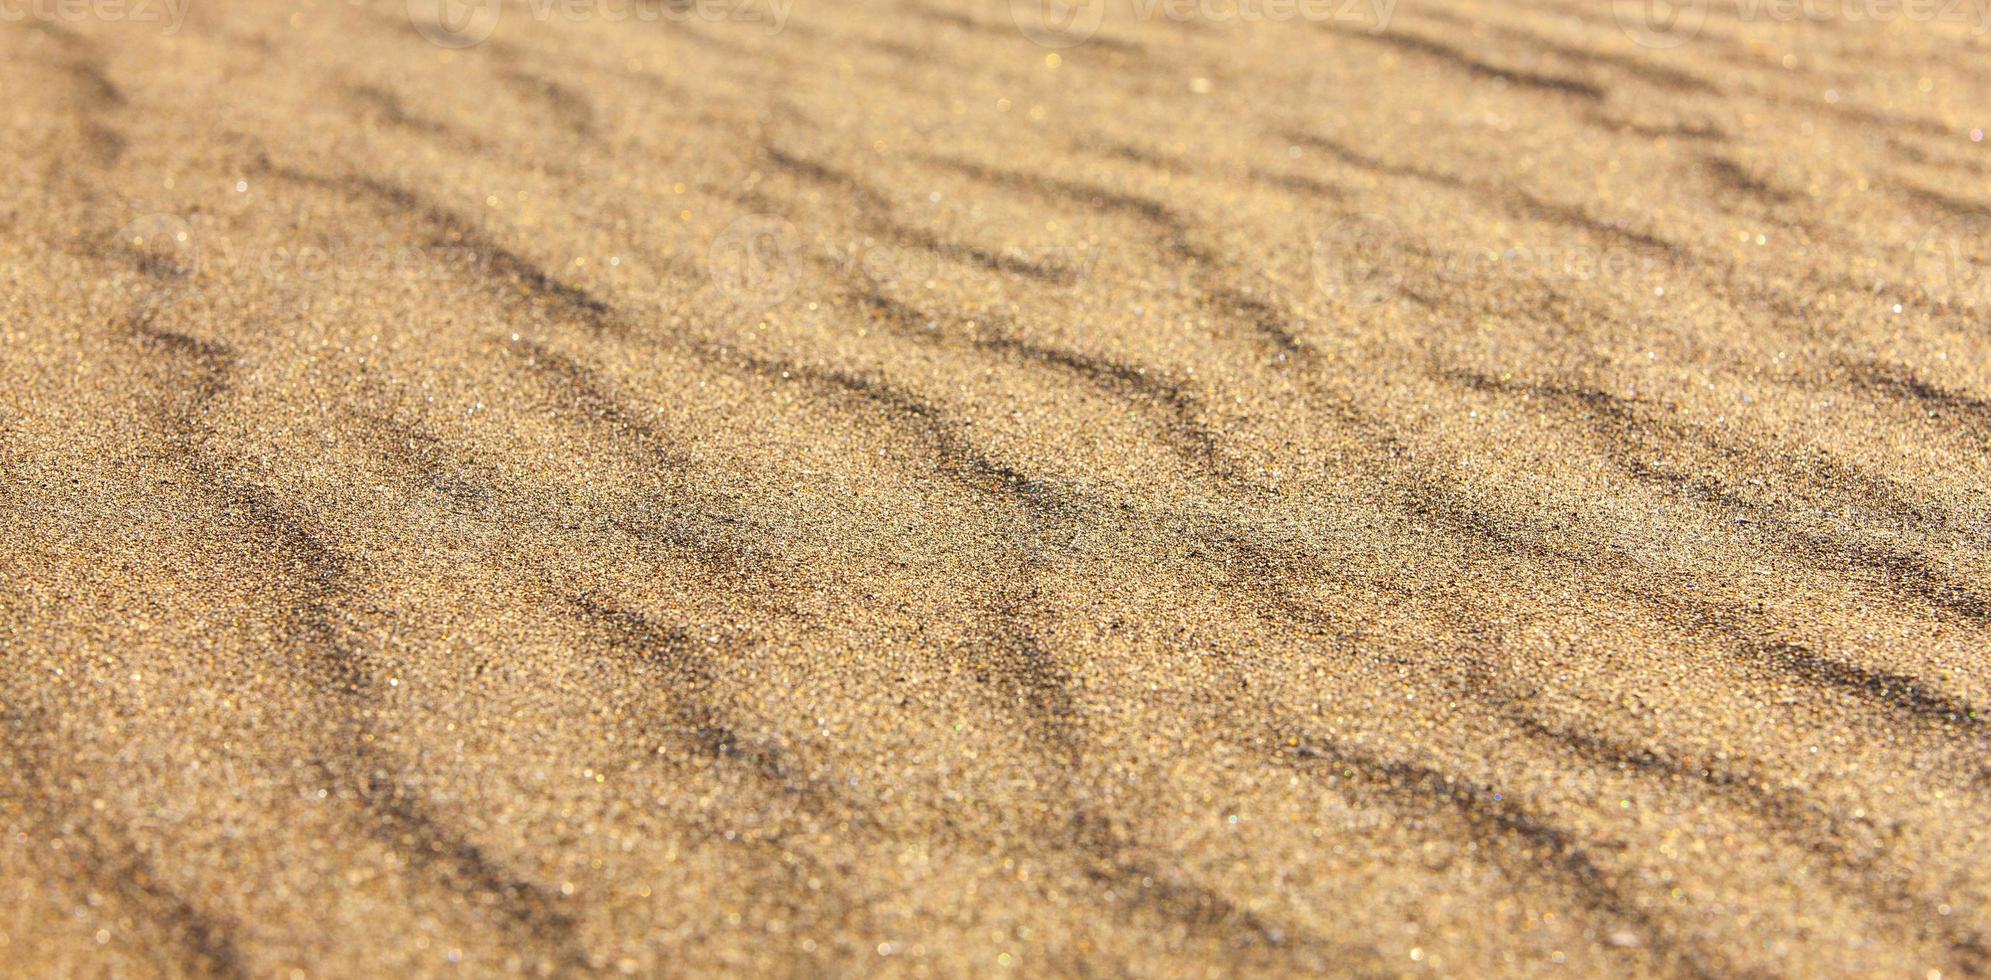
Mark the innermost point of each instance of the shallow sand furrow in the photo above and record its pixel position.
(956, 488)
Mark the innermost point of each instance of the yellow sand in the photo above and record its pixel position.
(876, 494)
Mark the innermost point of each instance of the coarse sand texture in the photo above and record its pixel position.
(972, 488)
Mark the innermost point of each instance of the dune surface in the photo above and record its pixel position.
(1423, 488)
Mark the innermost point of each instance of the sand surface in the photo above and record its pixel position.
(857, 490)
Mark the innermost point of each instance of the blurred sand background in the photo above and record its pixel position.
(857, 490)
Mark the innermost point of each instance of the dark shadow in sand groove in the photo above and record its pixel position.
(1620, 428)
(1896, 696)
(401, 820)
(1873, 120)
(396, 814)
(309, 584)
(869, 201)
(582, 392)
(385, 105)
(1301, 184)
(685, 674)
(207, 941)
(1268, 323)
(903, 52)
(876, 216)
(1731, 177)
(570, 108)
(1458, 58)
(1030, 673)
(436, 465)
(1514, 200)
(93, 95)
(1121, 150)
(1935, 154)
(1687, 132)
(687, 680)
(1005, 29)
(1796, 818)
(86, 66)
(1115, 864)
(498, 264)
(1023, 670)
(1025, 674)
(1014, 265)
(1084, 195)
(1899, 694)
(1970, 413)
(1645, 70)
(311, 571)
(1179, 410)
(1175, 230)
(726, 545)
(942, 436)
(1498, 824)
(104, 857)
